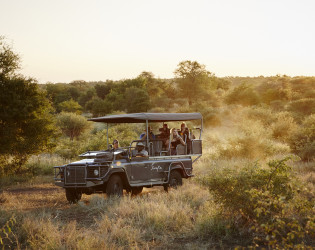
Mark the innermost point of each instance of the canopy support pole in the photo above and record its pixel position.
(201, 128)
(147, 129)
(107, 137)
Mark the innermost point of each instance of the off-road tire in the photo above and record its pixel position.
(73, 195)
(175, 179)
(136, 190)
(114, 186)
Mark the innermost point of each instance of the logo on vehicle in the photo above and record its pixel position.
(157, 168)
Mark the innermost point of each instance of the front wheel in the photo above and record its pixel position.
(114, 186)
(175, 179)
(73, 195)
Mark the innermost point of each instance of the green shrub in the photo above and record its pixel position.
(263, 205)
(302, 141)
(72, 125)
(252, 142)
(243, 94)
(264, 115)
(302, 107)
(283, 127)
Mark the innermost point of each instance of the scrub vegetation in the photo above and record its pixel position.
(253, 186)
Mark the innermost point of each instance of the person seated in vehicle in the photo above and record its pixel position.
(117, 148)
(184, 132)
(143, 136)
(140, 151)
(175, 139)
(115, 145)
(164, 135)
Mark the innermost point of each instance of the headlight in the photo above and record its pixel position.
(96, 172)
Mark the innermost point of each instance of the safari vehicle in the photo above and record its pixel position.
(112, 171)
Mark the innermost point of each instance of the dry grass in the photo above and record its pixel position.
(181, 219)
(153, 219)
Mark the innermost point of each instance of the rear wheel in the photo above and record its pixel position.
(114, 186)
(73, 195)
(175, 179)
(136, 190)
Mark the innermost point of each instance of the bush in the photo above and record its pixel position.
(283, 127)
(253, 142)
(263, 204)
(302, 107)
(302, 141)
(243, 94)
(70, 106)
(265, 115)
(72, 125)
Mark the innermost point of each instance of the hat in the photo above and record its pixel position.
(140, 144)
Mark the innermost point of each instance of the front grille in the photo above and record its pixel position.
(75, 175)
(102, 171)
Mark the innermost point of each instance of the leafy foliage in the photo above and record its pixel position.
(193, 79)
(302, 141)
(72, 125)
(244, 94)
(9, 61)
(26, 123)
(265, 201)
(70, 106)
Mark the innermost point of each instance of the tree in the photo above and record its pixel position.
(81, 84)
(57, 93)
(103, 89)
(98, 107)
(26, 124)
(85, 97)
(9, 61)
(193, 79)
(70, 106)
(137, 100)
(243, 94)
(72, 125)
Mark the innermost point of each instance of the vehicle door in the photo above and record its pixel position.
(159, 170)
(140, 170)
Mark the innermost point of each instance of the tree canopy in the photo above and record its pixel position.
(193, 79)
(26, 125)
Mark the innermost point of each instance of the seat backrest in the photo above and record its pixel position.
(181, 149)
(196, 146)
(156, 147)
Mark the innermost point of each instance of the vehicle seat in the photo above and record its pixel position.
(181, 149)
(156, 147)
(196, 146)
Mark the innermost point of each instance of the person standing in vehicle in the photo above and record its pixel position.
(184, 132)
(165, 134)
(175, 139)
(143, 136)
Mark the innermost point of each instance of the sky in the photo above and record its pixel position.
(98, 40)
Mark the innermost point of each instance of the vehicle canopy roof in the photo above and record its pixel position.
(148, 117)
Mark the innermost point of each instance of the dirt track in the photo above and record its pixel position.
(45, 196)
(40, 190)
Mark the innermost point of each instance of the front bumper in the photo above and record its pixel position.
(80, 175)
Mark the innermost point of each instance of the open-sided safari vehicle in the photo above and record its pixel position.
(113, 170)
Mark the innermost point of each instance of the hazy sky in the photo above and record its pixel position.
(66, 40)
